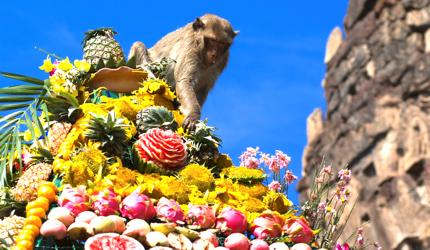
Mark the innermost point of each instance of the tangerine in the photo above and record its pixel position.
(29, 232)
(47, 192)
(43, 202)
(17, 248)
(50, 184)
(32, 228)
(37, 211)
(22, 236)
(28, 245)
(33, 220)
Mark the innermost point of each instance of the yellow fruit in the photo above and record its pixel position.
(17, 248)
(22, 237)
(43, 202)
(38, 211)
(46, 192)
(29, 232)
(28, 245)
(33, 220)
(32, 228)
(50, 184)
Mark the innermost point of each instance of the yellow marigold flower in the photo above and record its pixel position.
(162, 101)
(65, 65)
(152, 190)
(223, 161)
(243, 174)
(224, 183)
(92, 157)
(195, 174)
(82, 65)
(277, 202)
(172, 188)
(253, 205)
(178, 116)
(47, 65)
(78, 174)
(255, 190)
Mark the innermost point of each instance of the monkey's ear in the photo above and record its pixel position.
(198, 24)
(236, 33)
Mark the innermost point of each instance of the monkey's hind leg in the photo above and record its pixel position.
(140, 52)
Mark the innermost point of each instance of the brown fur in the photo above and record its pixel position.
(201, 50)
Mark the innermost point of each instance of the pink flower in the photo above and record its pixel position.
(377, 246)
(252, 152)
(322, 207)
(327, 170)
(283, 159)
(345, 174)
(274, 186)
(320, 179)
(360, 231)
(164, 148)
(54, 69)
(252, 163)
(265, 158)
(289, 177)
(313, 197)
(345, 247)
(231, 221)
(334, 229)
(274, 166)
(169, 210)
(360, 241)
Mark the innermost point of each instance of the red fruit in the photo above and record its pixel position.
(298, 226)
(258, 244)
(236, 241)
(112, 241)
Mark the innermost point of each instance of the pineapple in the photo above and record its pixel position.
(11, 226)
(28, 184)
(109, 131)
(203, 145)
(155, 117)
(100, 44)
(57, 135)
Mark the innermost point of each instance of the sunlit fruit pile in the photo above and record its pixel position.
(127, 175)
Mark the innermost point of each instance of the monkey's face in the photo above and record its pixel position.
(214, 50)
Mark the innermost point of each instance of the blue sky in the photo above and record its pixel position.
(271, 85)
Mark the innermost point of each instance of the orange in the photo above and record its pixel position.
(50, 184)
(47, 192)
(37, 211)
(28, 245)
(31, 205)
(42, 202)
(33, 220)
(32, 228)
(29, 232)
(21, 237)
(17, 248)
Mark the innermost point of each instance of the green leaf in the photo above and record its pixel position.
(19, 148)
(37, 122)
(47, 83)
(121, 63)
(13, 106)
(71, 98)
(6, 133)
(14, 114)
(100, 65)
(110, 63)
(12, 151)
(21, 90)
(92, 69)
(46, 112)
(10, 123)
(30, 127)
(45, 153)
(6, 99)
(2, 141)
(23, 78)
(3, 176)
(132, 62)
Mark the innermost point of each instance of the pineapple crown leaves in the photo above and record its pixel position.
(61, 111)
(44, 156)
(203, 135)
(159, 117)
(109, 131)
(100, 31)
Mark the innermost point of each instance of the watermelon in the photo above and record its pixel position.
(114, 241)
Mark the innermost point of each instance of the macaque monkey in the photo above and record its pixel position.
(201, 51)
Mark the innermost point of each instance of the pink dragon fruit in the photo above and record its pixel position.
(200, 217)
(298, 226)
(106, 202)
(231, 221)
(169, 211)
(137, 206)
(266, 225)
(76, 200)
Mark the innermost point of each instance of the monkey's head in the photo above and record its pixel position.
(215, 36)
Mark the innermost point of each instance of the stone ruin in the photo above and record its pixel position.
(377, 120)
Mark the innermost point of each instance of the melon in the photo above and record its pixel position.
(114, 241)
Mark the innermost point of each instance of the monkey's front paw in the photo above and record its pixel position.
(190, 122)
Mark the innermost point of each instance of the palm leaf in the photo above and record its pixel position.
(23, 78)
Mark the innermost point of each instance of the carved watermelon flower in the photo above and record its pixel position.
(164, 148)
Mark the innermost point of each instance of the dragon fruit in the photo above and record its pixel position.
(266, 225)
(106, 202)
(200, 217)
(298, 226)
(137, 206)
(76, 199)
(169, 211)
(230, 221)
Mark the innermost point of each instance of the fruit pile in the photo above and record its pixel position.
(127, 174)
